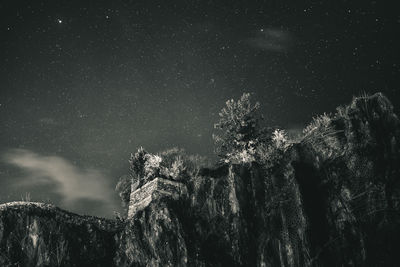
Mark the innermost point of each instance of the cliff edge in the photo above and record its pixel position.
(328, 198)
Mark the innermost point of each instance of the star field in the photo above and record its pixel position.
(90, 81)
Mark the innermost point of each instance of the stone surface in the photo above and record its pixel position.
(38, 234)
(331, 199)
(156, 188)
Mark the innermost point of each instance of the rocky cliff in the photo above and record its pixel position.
(328, 198)
(37, 234)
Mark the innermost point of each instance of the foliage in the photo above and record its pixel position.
(123, 188)
(321, 123)
(238, 130)
(141, 164)
(246, 154)
(173, 164)
(321, 136)
(152, 165)
(136, 164)
(270, 153)
(280, 139)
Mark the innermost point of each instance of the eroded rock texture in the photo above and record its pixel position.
(37, 234)
(328, 199)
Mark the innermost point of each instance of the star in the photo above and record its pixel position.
(59, 21)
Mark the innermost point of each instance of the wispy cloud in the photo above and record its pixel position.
(74, 185)
(271, 39)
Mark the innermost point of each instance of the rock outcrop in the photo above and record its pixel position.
(331, 198)
(37, 234)
(152, 191)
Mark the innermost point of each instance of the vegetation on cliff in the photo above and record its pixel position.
(330, 197)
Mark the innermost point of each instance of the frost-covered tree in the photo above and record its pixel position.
(238, 130)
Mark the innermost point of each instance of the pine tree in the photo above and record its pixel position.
(239, 127)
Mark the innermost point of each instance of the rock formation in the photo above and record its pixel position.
(330, 198)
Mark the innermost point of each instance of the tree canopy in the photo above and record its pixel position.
(239, 127)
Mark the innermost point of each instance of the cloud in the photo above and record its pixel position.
(271, 39)
(75, 186)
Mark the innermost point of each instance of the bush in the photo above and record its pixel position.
(123, 189)
(322, 136)
(268, 154)
(173, 164)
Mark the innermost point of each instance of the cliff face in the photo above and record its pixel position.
(329, 199)
(349, 182)
(37, 234)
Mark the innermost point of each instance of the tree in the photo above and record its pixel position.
(137, 173)
(239, 129)
(123, 188)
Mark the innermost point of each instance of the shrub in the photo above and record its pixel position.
(320, 125)
(123, 188)
(270, 153)
(178, 165)
(280, 139)
(172, 164)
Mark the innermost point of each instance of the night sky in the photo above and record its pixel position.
(84, 83)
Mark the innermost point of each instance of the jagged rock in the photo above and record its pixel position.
(330, 199)
(37, 234)
(156, 188)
